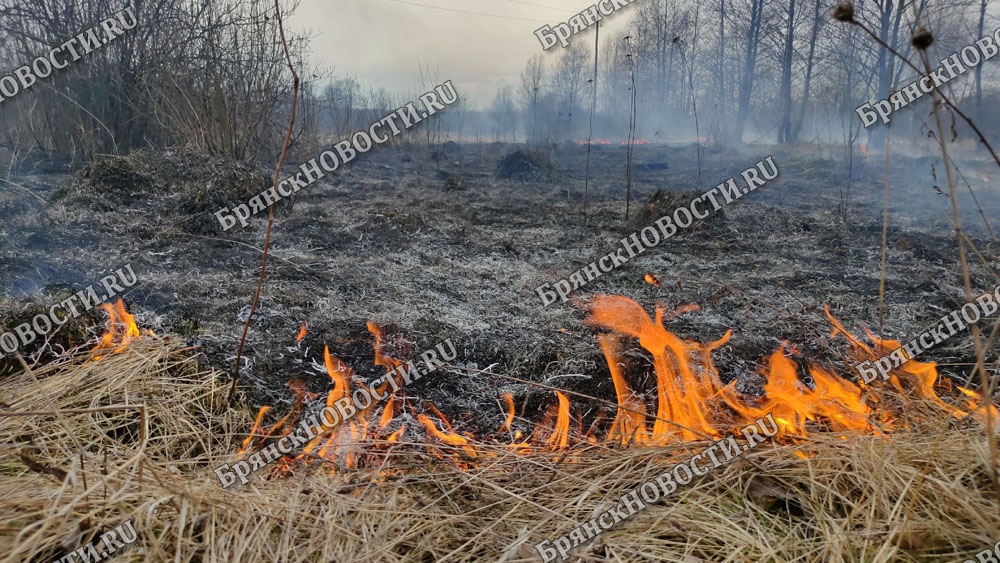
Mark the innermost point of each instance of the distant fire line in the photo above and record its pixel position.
(610, 142)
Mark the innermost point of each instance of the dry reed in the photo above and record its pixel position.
(74, 466)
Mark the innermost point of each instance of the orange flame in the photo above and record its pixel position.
(560, 435)
(447, 436)
(509, 400)
(302, 333)
(630, 421)
(683, 399)
(121, 328)
(253, 431)
(692, 403)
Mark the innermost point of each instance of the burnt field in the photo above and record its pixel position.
(397, 239)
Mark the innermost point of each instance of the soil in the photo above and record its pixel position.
(429, 242)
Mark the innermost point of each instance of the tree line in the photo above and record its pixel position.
(738, 71)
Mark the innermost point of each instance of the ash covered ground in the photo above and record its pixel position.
(430, 243)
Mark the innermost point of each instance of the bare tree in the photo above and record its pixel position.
(532, 82)
(983, 7)
(754, 25)
(504, 115)
(720, 78)
(341, 99)
(569, 86)
(889, 18)
(817, 20)
(785, 96)
(762, 61)
(614, 96)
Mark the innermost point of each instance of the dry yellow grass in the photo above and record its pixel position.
(920, 495)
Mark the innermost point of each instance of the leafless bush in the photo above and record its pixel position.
(207, 75)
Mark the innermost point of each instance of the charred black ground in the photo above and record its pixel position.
(432, 244)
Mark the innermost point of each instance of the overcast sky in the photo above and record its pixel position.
(387, 41)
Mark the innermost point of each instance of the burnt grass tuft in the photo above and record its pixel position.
(525, 166)
(188, 186)
(75, 332)
(381, 240)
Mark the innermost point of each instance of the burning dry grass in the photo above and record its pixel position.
(135, 436)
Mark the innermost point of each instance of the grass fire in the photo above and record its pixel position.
(691, 403)
(382, 455)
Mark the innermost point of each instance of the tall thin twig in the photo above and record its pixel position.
(922, 39)
(590, 132)
(699, 149)
(270, 209)
(986, 382)
(885, 238)
(631, 129)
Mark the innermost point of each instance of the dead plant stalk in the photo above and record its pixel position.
(938, 99)
(270, 209)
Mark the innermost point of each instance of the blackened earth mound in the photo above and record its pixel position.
(524, 166)
(190, 184)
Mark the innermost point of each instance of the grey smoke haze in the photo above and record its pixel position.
(385, 42)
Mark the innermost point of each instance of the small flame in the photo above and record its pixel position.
(447, 436)
(394, 437)
(253, 431)
(121, 328)
(509, 400)
(302, 333)
(974, 400)
(652, 280)
(630, 421)
(560, 435)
